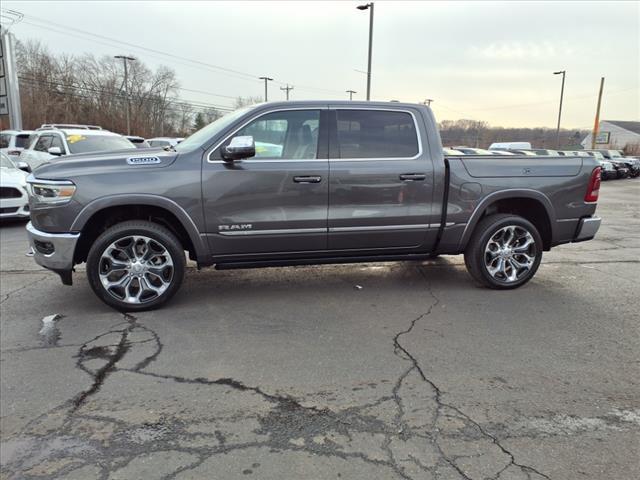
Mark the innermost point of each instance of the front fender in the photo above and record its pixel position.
(202, 250)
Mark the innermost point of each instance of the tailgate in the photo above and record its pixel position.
(492, 166)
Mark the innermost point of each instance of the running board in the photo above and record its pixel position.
(320, 261)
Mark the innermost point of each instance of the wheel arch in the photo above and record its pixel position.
(530, 204)
(105, 211)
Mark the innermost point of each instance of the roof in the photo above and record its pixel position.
(18, 132)
(79, 131)
(630, 126)
(339, 103)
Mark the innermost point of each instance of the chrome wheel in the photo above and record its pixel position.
(510, 254)
(136, 269)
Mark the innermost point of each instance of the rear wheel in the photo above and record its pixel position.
(504, 251)
(136, 265)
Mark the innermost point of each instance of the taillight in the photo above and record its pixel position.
(594, 186)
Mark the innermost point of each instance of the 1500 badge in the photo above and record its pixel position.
(142, 160)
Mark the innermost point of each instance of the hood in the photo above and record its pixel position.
(105, 162)
(12, 176)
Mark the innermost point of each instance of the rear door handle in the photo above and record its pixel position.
(413, 177)
(308, 179)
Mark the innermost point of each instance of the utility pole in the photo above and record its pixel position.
(369, 6)
(428, 101)
(287, 88)
(351, 92)
(266, 79)
(596, 125)
(563, 72)
(126, 88)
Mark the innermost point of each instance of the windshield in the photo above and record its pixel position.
(5, 162)
(206, 133)
(79, 143)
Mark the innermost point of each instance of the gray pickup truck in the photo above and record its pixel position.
(296, 183)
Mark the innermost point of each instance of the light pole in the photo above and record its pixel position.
(351, 92)
(369, 6)
(126, 89)
(266, 79)
(286, 89)
(563, 72)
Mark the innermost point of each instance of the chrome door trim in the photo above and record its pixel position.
(415, 124)
(379, 227)
(283, 231)
(255, 117)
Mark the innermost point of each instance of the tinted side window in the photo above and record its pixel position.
(22, 141)
(57, 142)
(43, 143)
(376, 134)
(285, 135)
(4, 140)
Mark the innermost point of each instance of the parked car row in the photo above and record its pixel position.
(36, 147)
(614, 164)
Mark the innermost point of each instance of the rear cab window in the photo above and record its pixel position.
(4, 140)
(376, 134)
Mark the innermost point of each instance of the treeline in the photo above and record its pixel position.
(475, 133)
(90, 90)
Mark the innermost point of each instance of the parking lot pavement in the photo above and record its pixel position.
(357, 371)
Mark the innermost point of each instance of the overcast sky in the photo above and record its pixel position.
(490, 61)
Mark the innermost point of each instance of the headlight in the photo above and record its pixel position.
(51, 192)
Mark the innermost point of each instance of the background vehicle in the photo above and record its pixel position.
(608, 170)
(621, 168)
(138, 142)
(451, 151)
(12, 142)
(164, 141)
(545, 151)
(14, 202)
(472, 151)
(54, 141)
(510, 145)
(383, 192)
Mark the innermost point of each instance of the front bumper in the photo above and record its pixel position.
(53, 250)
(15, 207)
(587, 228)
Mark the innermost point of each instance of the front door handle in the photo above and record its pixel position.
(413, 177)
(308, 179)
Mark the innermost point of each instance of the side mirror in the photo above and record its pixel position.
(239, 148)
(55, 151)
(24, 166)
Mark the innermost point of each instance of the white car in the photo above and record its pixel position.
(53, 141)
(164, 141)
(14, 200)
(13, 142)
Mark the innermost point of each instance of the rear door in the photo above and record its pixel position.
(277, 201)
(381, 180)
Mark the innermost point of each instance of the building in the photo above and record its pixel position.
(616, 135)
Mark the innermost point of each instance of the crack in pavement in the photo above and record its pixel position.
(13, 292)
(404, 353)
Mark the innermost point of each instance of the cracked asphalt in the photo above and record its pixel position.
(300, 373)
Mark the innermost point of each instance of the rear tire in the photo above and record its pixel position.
(136, 265)
(504, 251)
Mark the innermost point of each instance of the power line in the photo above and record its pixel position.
(224, 70)
(115, 95)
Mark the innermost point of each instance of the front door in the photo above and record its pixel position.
(381, 181)
(277, 201)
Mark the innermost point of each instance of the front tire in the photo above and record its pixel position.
(136, 265)
(504, 251)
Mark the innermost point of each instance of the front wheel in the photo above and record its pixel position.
(504, 251)
(136, 265)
